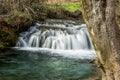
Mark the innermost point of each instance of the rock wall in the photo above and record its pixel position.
(103, 24)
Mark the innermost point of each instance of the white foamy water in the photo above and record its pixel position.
(75, 54)
(63, 39)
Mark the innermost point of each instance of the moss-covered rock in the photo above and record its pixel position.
(11, 26)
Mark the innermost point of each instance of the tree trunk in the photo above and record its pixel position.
(100, 16)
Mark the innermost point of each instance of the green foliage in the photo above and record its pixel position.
(72, 7)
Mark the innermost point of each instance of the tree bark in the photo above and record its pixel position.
(100, 17)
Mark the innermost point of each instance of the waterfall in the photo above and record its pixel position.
(56, 36)
(59, 36)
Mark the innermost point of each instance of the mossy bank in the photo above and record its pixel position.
(15, 18)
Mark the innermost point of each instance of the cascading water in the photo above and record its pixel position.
(51, 50)
(62, 36)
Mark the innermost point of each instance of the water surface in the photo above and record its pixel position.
(29, 65)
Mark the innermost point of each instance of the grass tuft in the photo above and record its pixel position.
(72, 7)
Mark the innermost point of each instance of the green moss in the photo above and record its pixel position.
(58, 11)
(72, 7)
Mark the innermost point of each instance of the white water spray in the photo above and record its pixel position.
(59, 37)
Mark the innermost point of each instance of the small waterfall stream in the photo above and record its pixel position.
(51, 50)
(58, 36)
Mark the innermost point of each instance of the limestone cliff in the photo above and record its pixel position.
(103, 23)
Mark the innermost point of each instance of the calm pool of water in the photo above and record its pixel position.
(27, 65)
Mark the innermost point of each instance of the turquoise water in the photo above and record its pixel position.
(26, 65)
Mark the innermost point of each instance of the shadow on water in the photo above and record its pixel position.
(26, 65)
